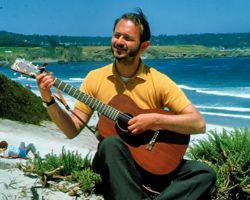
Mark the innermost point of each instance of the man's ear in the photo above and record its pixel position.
(145, 45)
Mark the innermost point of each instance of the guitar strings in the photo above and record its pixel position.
(124, 117)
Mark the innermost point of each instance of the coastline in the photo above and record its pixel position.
(47, 138)
(103, 53)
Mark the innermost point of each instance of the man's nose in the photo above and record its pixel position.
(120, 40)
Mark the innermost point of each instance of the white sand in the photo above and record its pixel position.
(210, 127)
(46, 138)
(49, 138)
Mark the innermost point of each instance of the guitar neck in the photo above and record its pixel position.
(93, 103)
(27, 68)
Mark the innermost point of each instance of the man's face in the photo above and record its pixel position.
(126, 40)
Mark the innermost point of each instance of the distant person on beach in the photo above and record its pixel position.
(10, 151)
(123, 176)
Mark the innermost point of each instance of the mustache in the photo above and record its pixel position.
(120, 47)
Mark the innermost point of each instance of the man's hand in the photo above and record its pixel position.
(144, 122)
(44, 82)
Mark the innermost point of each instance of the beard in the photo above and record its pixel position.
(122, 53)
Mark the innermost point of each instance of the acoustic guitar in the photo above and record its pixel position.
(158, 152)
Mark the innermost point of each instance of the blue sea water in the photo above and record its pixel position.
(218, 87)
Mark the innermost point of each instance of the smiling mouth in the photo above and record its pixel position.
(120, 48)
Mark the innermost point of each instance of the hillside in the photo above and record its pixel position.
(232, 40)
(103, 53)
(19, 103)
(39, 48)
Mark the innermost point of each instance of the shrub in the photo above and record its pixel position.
(228, 153)
(68, 167)
(19, 103)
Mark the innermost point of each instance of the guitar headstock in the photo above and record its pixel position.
(25, 67)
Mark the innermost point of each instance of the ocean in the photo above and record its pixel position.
(218, 87)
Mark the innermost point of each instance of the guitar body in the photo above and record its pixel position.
(166, 153)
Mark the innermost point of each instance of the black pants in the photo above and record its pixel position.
(123, 178)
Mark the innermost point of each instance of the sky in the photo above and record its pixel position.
(96, 17)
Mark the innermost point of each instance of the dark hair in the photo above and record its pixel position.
(3, 144)
(139, 19)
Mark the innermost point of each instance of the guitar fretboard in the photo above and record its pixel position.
(93, 103)
(27, 68)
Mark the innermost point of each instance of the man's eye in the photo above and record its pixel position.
(127, 38)
(116, 35)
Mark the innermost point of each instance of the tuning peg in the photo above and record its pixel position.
(43, 67)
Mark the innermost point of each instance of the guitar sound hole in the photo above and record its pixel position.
(122, 123)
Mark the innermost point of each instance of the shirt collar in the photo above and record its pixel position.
(140, 74)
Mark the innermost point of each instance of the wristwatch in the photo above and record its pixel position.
(51, 102)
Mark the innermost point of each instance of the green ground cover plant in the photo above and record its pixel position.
(228, 153)
(67, 172)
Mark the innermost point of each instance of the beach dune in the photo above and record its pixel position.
(46, 138)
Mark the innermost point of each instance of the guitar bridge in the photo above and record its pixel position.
(152, 141)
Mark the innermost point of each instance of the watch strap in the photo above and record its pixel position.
(52, 101)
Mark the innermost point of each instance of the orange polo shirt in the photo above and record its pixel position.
(149, 89)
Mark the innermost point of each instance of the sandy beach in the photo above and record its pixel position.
(47, 138)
